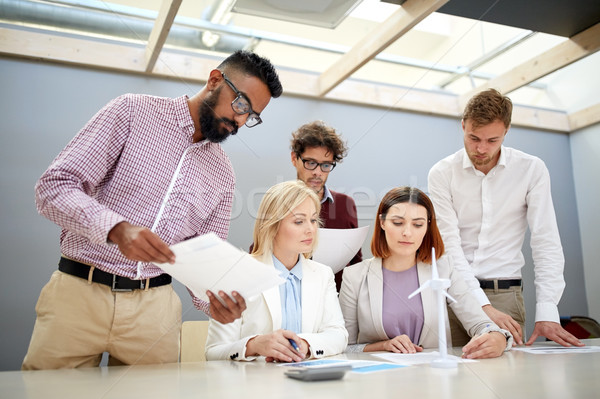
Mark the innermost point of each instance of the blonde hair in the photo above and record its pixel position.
(276, 204)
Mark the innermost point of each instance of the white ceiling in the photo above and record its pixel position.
(441, 54)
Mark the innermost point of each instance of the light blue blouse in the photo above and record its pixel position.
(291, 296)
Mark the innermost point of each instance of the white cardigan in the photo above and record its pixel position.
(322, 320)
(361, 299)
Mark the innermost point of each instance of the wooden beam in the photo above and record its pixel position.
(160, 31)
(586, 117)
(411, 13)
(195, 67)
(89, 53)
(577, 47)
(396, 98)
(537, 118)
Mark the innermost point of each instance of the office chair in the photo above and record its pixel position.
(193, 340)
(581, 327)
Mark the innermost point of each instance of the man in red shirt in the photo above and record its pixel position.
(316, 149)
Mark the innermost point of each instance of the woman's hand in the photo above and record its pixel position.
(277, 347)
(401, 344)
(485, 346)
(398, 344)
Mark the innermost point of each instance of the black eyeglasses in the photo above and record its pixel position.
(241, 105)
(311, 164)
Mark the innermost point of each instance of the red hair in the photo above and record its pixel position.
(432, 238)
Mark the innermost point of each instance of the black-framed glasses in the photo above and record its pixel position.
(241, 105)
(311, 164)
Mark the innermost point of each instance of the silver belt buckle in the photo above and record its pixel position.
(114, 283)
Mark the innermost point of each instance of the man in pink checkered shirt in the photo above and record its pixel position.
(144, 173)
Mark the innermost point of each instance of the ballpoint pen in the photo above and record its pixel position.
(294, 345)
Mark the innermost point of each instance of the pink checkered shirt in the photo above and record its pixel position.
(131, 156)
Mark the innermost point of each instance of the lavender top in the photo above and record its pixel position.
(400, 314)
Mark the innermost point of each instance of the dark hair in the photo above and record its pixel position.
(318, 134)
(487, 107)
(432, 238)
(254, 65)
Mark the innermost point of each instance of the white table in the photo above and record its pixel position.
(514, 375)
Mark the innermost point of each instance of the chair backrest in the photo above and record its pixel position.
(582, 327)
(193, 340)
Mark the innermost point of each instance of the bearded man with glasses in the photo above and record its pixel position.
(144, 173)
(316, 150)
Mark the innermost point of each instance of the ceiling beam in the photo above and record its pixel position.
(579, 46)
(160, 31)
(411, 13)
(584, 118)
(194, 68)
(71, 50)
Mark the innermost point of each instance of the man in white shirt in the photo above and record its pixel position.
(485, 196)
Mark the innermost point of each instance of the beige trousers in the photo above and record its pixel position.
(77, 321)
(509, 301)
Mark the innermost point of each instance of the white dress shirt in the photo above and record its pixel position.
(483, 219)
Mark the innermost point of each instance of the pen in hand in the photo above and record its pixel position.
(294, 345)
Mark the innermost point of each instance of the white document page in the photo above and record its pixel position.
(337, 247)
(209, 263)
(409, 359)
(553, 350)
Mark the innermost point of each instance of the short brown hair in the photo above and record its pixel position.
(487, 107)
(432, 238)
(318, 134)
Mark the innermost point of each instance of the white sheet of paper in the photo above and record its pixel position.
(338, 246)
(209, 263)
(361, 366)
(553, 350)
(417, 358)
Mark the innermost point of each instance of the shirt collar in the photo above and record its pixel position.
(502, 159)
(182, 112)
(296, 270)
(185, 121)
(326, 195)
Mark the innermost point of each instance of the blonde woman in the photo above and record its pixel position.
(300, 319)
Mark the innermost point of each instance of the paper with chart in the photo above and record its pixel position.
(209, 263)
(336, 247)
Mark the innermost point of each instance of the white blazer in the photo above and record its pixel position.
(322, 320)
(361, 299)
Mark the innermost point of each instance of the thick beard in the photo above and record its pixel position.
(210, 124)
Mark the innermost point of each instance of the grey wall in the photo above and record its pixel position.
(44, 105)
(585, 151)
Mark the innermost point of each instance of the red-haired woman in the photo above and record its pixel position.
(374, 294)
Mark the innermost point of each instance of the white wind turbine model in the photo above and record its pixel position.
(439, 286)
